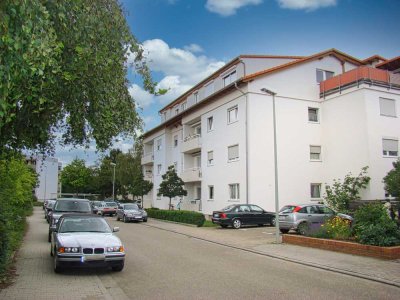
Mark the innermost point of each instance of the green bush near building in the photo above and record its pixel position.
(180, 216)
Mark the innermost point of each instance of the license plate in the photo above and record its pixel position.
(94, 257)
(282, 217)
(138, 217)
(216, 215)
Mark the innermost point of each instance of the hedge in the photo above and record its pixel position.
(180, 216)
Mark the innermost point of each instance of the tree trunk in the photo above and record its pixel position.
(169, 207)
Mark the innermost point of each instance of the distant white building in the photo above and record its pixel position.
(334, 114)
(48, 176)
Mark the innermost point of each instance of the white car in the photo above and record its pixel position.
(86, 240)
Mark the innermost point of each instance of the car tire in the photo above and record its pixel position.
(303, 228)
(145, 220)
(57, 268)
(236, 223)
(124, 219)
(118, 268)
(223, 225)
(273, 222)
(260, 225)
(49, 237)
(284, 230)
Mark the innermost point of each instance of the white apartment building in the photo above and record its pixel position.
(334, 114)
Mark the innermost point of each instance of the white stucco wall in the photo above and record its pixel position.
(47, 171)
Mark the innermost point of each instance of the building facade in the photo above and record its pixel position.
(335, 114)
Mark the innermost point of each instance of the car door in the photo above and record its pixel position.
(259, 216)
(120, 211)
(245, 214)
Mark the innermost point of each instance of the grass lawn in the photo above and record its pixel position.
(209, 224)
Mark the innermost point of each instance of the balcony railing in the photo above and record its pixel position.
(191, 174)
(148, 158)
(358, 76)
(191, 143)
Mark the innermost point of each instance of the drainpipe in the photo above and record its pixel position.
(246, 142)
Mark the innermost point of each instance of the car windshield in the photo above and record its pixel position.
(131, 207)
(111, 204)
(228, 208)
(287, 209)
(84, 225)
(72, 206)
(50, 204)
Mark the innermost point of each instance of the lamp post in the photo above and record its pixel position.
(113, 164)
(277, 233)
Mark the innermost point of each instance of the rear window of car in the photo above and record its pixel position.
(111, 204)
(72, 206)
(287, 209)
(228, 208)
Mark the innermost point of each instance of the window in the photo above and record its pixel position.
(176, 110)
(256, 208)
(210, 192)
(388, 107)
(210, 158)
(324, 75)
(183, 106)
(175, 141)
(159, 145)
(228, 79)
(210, 124)
(390, 147)
(234, 191)
(198, 193)
(232, 114)
(233, 153)
(196, 97)
(313, 114)
(197, 130)
(315, 152)
(159, 167)
(209, 89)
(315, 190)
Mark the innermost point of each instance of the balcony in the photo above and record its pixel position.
(191, 175)
(358, 76)
(191, 143)
(148, 159)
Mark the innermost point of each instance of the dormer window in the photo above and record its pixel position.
(196, 97)
(228, 79)
(209, 89)
(324, 75)
(183, 106)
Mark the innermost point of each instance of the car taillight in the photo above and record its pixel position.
(223, 216)
(297, 208)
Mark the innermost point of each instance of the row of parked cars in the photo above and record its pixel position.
(80, 236)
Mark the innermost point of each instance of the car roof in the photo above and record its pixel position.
(76, 215)
(72, 199)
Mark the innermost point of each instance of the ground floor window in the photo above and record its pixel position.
(315, 189)
(234, 191)
(210, 192)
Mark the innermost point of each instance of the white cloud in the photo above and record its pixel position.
(194, 48)
(306, 4)
(142, 97)
(229, 7)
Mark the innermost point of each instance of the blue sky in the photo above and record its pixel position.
(186, 40)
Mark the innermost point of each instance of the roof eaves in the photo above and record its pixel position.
(374, 57)
(387, 61)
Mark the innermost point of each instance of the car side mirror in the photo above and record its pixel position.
(115, 229)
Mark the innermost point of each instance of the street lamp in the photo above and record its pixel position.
(277, 234)
(113, 164)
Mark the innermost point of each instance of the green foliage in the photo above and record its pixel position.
(392, 180)
(172, 185)
(63, 67)
(180, 216)
(340, 194)
(335, 228)
(374, 227)
(16, 183)
(76, 177)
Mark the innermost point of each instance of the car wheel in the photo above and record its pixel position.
(260, 225)
(124, 219)
(118, 268)
(303, 228)
(236, 223)
(284, 230)
(145, 220)
(57, 268)
(272, 222)
(49, 237)
(223, 225)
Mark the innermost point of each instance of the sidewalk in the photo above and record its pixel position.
(262, 241)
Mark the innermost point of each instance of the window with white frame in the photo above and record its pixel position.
(313, 114)
(324, 75)
(210, 158)
(210, 123)
(315, 190)
(197, 130)
(232, 114)
(315, 152)
(159, 144)
(387, 107)
(228, 79)
(209, 89)
(233, 153)
(390, 147)
(183, 106)
(196, 97)
(159, 168)
(175, 141)
(210, 192)
(234, 191)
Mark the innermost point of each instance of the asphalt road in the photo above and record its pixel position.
(165, 265)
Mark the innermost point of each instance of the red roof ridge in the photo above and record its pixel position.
(376, 56)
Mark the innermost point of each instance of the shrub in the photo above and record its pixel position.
(180, 216)
(374, 227)
(334, 228)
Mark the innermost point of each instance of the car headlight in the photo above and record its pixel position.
(144, 213)
(115, 249)
(69, 249)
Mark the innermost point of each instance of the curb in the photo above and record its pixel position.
(288, 259)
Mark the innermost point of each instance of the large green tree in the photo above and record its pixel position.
(172, 185)
(63, 67)
(76, 177)
(392, 180)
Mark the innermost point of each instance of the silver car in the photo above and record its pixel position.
(86, 240)
(131, 212)
(305, 218)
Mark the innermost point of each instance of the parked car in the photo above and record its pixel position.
(68, 205)
(86, 240)
(107, 208)
(306, 217)
(131, 212)
(48, 210)
(95, 206)
(237, 215)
